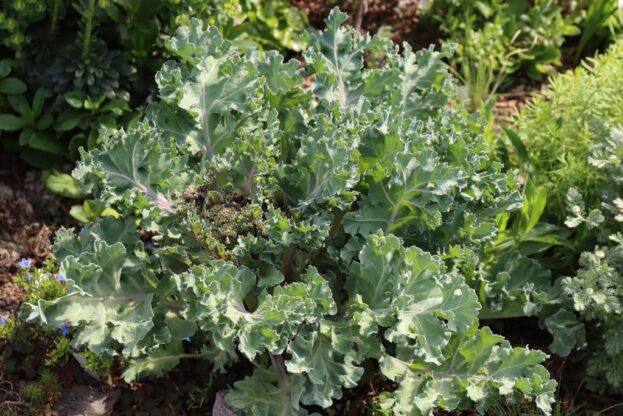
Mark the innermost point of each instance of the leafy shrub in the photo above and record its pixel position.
(559, 127)
(569, 141)
(596, 289)
(581, 312)
(298, 230)
(90, 64)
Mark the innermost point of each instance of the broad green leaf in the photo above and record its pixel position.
(324, 170)
(410, 294)
(327, 370)
(20, 105)
(192, 42)
(265, 393)
(337, 59)
(520, 148)
(12, 85)
(38, 101)
(533, 206)
(220, 87)
(62, 184)
(166, 357)
(512, 278)
(378, 274)
(9, 122)
(68, 120)
(156, 363)
(480, 366)
(77, 212)
(75, 99)
(422, 75)
(105, 300)
(416, 195)
(5, 67)
(280, 77)
(46, 143)
(567, 331)
(133, 164)
(215, 298)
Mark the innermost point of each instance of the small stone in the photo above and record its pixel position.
(221, 408)
(5, 192)
(80, 400)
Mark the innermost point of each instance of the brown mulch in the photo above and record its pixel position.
(29, 215)
(509, 103)
(403, 17)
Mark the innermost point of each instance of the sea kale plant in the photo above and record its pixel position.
(309, 225)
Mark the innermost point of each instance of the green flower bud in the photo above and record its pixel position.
(11, 24)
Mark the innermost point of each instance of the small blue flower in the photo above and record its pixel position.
(60, 277)
(187, 339)
(64, 330)
(3, 320)
(81, 230)
(29, 277)
(24, 264)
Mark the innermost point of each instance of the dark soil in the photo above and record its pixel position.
(29, 215)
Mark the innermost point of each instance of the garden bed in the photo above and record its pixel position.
(183, 230)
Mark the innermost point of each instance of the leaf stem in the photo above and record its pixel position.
(174, 306)
(88, 29)
(284, 383)
(513, 311)
(288, 258)
(54, 22)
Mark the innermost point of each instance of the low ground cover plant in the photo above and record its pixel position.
(314, 237)
(596, 288)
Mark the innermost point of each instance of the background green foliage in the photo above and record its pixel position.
(497, 41)
(90, 64)
(600, 22)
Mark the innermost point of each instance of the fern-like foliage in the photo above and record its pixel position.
(559, 128)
